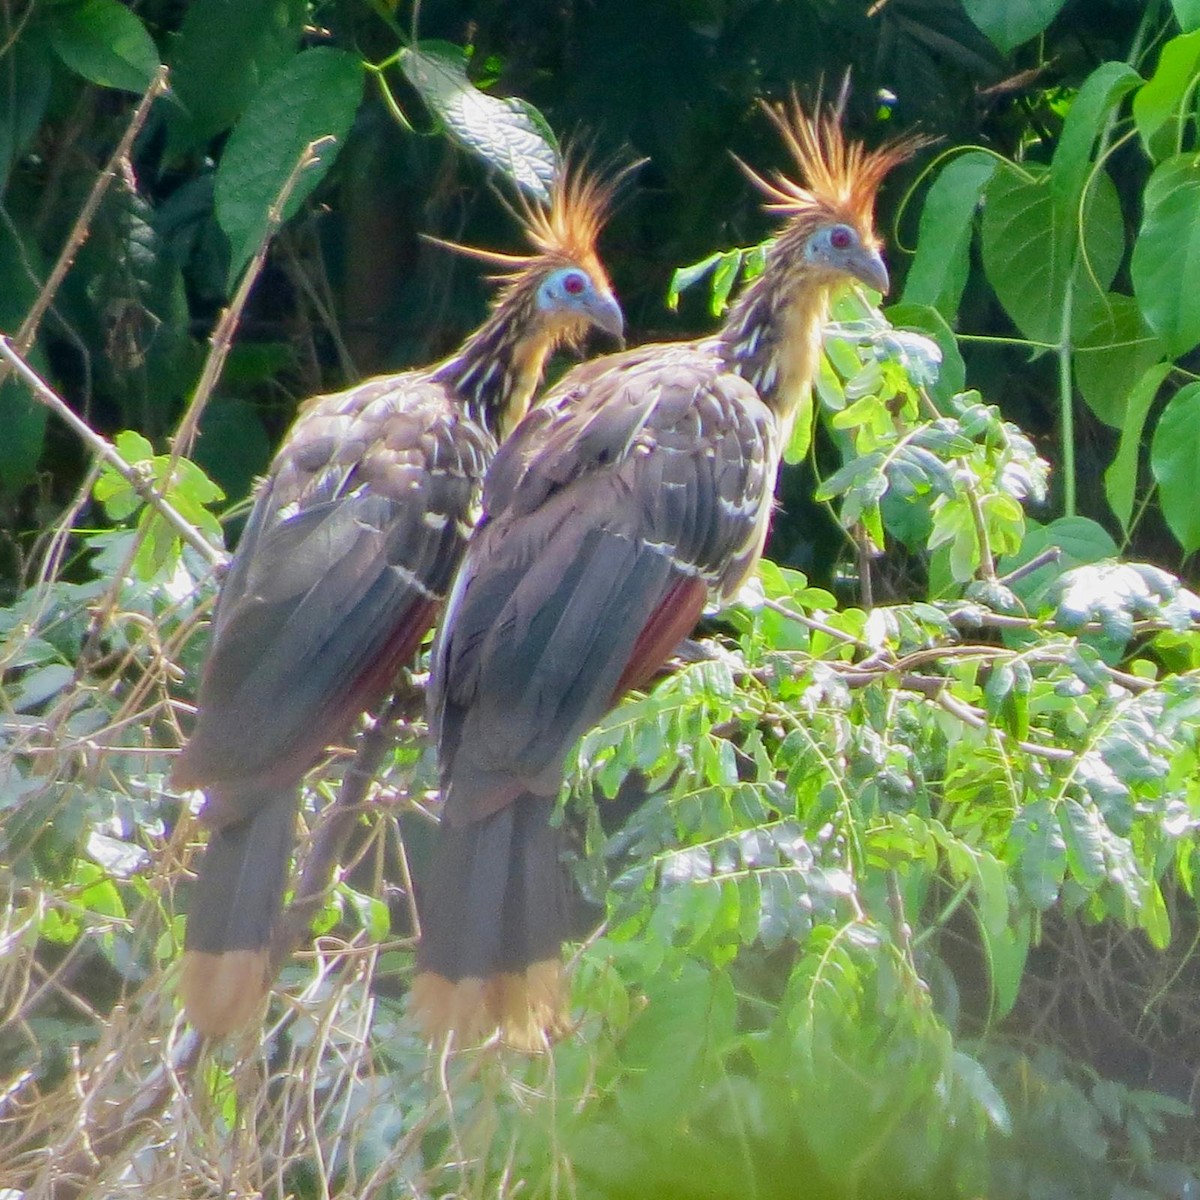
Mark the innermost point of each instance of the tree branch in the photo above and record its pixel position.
(79, 231)
(108, 453)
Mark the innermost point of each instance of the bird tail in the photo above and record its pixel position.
(493, 920)
(235, 904)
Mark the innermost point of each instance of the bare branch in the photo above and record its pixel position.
(108, 453)
(83, 223)
(222, 336)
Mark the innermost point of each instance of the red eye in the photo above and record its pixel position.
(573, 285)
(840, 238)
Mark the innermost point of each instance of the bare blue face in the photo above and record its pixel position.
(571, 292)
(840, 248)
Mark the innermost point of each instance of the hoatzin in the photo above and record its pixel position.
(345, 559)
(641, 488)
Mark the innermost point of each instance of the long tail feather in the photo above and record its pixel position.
(234, 907)
(493, 920)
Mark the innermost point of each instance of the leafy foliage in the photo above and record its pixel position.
(892, 879)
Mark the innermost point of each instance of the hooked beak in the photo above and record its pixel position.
(867, 266)
(606, 313)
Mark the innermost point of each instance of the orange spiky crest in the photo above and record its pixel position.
(839, 179)
(564, 231)
(498, 368)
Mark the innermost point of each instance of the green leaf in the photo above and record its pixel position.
(1120, 480)
(1008, 23)
(1166, 255)
(1187, 13)
(685, 277)
(1154, 918)
(226, 49)
(1080, 540)
(1030, 245)
(24, 93)
(314, 96)
(1174, 455)
(971, 1074)
(1041, 853)
(507, 133)
(938, 272)
(1097, 96)
(802, 428)
(103, 41)
(1007, 949)
(1083, 835)
(952, 373)
(1161, 99)
(23, 420)
(1113, 349)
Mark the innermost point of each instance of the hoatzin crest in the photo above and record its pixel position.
(345, 559)
(641, 488)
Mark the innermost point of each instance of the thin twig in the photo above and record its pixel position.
(222, 336)
(82, 227)
(1050, 555)
(108, 453)
(812, 623)
(337, 826)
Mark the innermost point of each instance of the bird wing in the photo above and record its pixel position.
(642, 485)
(345, 559)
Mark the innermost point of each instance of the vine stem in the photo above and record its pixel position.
(1067, 399)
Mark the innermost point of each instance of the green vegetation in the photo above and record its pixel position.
(891, 888)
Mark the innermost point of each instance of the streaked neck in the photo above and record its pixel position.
(496, 371)
(772, 336)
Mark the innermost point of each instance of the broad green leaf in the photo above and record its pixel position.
(938, 272)
(505, 132)
(1008, 23)
(22, 416)
(725, 275)
(1103, 89)
(685, 277)
(1006, 949)
(226, 49)
(233, 447)
(1114, 347)
(971, 1074)
(1040, 854)
(952, 372)
(802, 428)
(1166, 255)
(1154, 918)
(1174, 459)
(1030, 246)
(103, 41)
(24, 93)
(1080, 540)
(1120, 480)
(1158, 108)
(23, 420)
(1084, 838)
(1187, 13)
(314, 96)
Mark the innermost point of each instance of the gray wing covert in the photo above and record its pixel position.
(610, 516)
(346, 556)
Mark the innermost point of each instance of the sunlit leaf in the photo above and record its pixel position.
(504, 131)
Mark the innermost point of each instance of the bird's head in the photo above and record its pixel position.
(830, 233)
(571, 297)
(558, 291)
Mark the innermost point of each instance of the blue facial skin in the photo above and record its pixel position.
(839, 248)
(571, 290)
